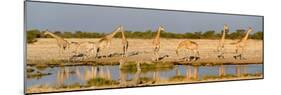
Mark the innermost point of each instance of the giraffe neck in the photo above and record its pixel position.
(55, 36)
(158, 34)
(111, 35)
(246, 36)
(123, 35)
(223, 36)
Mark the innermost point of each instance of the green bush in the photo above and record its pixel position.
(101, 82)
(31, 35)
(148, 34)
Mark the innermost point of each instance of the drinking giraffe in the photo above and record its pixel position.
(105, 42)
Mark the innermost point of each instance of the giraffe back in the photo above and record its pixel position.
(188, 44)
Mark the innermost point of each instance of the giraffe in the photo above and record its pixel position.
(125, 43)
(188, 46)
(156, 42)
(62, 44)
(105, 42)
(241, 44)
(83, 49)
(220, 47)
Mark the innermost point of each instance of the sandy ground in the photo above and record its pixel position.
(47, 49)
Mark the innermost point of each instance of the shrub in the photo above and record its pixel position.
(31, 35)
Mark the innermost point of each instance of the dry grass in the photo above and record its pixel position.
(47, 50)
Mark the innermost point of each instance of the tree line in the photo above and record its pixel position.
(210, 34)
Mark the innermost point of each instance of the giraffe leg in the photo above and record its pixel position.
(107, 48)
(97, 53)
(193, 57)
(218, 50)
(221, 53)
(123, 54)
(60, 52)
(93, 51)
(76, 50)
(242, 54)
(127, 46)
(197, 55)
(187, 58)
(156, 52)
(238, 55)
(66, 49)
(124, 51)
(236, 52)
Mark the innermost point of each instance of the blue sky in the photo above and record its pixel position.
(67, 17)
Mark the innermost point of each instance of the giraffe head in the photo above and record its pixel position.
(161, 28)
(46, 32)
(250, 29)
(121, 28)
(225, 27)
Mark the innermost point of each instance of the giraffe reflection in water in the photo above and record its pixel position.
(124, 76)
(89, 73)
(140, 76)
(191, 72)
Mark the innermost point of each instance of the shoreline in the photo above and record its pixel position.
(35, 90)
(60, 63)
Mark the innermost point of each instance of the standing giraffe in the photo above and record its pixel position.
(156, 42)
(242, 44)
(125, 43)
(220, 47)
(62, 44)
(105, 42)
(188, 46)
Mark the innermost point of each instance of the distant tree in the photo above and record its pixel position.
(58, 33)
(197, 35)
(238, 34)
(67, 35)
(188, 35)
(32, 35)
(78, 34)
(148, 34)
(209, 34)
(257, 35)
